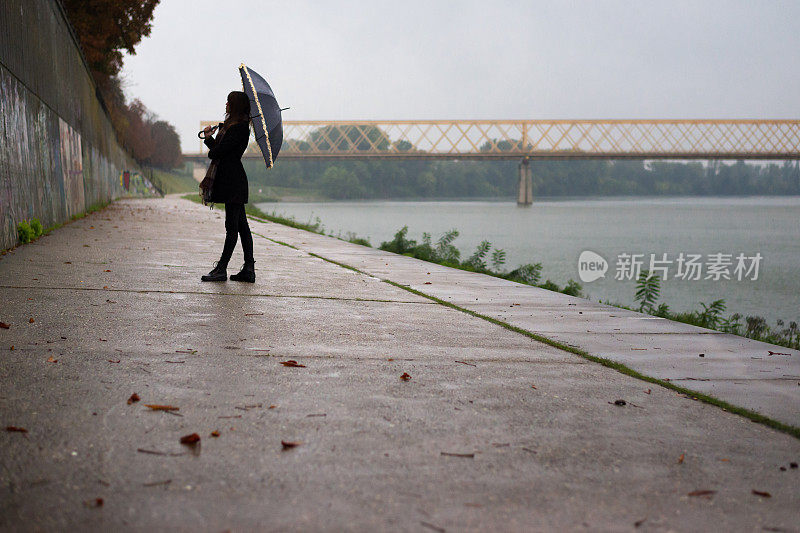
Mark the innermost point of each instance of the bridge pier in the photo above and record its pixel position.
(525, 190)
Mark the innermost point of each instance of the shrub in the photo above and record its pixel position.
(25, 232)
(711, 315)
(573, 288)
(550, 286)
(477, 259)
(399, 244)
(529, 273)
(648, 287)
(37, 228)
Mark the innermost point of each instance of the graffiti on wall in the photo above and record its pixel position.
(72, 168)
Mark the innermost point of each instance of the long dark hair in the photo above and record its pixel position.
(239, 109)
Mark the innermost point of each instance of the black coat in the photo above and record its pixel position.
(230, 181)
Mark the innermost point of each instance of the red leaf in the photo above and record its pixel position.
(4, 325)
(405, 376)
(706, 493)
(292, 363)
(17, 429)
(94, 502)
(680, 459)
(31, 320)
(134, 398)
(190, 440)
(215, 433)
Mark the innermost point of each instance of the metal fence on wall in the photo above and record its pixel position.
(58, 151)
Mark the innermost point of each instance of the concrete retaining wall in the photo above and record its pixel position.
(59, 155)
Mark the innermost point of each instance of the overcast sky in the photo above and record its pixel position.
(376, 59)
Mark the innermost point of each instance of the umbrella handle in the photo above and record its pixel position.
(213, 129)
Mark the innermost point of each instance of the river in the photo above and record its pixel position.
(556, 232)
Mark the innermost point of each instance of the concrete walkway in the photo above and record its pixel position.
(492, 430)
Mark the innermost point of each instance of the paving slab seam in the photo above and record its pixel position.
(620, 367)
(209, 293)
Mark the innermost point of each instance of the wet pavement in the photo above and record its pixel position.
(491, 430)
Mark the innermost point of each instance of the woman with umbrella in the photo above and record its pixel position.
(226, 182)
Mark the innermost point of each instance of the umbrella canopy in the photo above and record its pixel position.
(265, 114)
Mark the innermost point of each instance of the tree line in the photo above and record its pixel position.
(380, 178)
(106, 28)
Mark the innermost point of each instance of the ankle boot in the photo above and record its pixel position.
(248, 273)
(219, 273)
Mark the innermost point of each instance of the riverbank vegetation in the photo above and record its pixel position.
(711, 316)
(418, 179)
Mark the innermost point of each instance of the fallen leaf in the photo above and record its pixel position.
(4, 325)
(190, 440)
(647, 391)
(51, 359)
(465, 455)
(292, 363)
(290, 444)
(112, 361)
(405, 376)
(133, 399)
(95, 502)
(12, 347)
(619, 402)
(272, 407)
(215, 433)
(777, 353)
(157, 407)
(762, 494)
(390, 359)
(427, 283)
(534, 387)
(105, 286)
(31, 320)
(704, 493)
(17, 429)
(106, 271)
(680, 459)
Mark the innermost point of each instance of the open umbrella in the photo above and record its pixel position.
(265, 114)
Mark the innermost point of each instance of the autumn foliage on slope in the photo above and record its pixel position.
(106, 29)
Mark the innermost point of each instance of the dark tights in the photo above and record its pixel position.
(235, 225)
